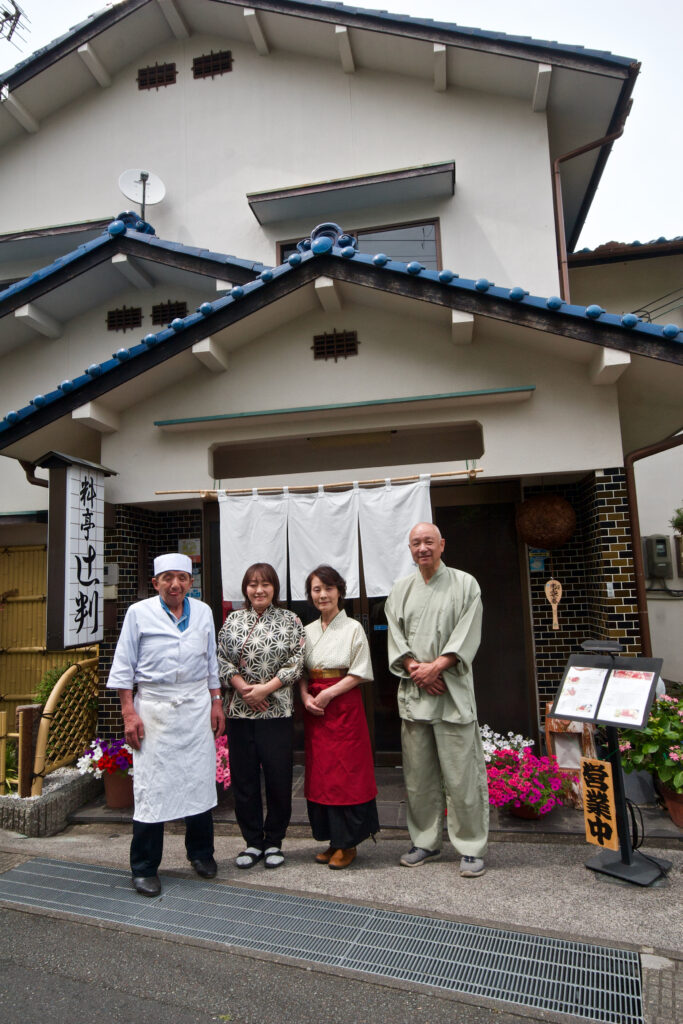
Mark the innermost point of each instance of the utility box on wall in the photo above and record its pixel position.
(657, 557)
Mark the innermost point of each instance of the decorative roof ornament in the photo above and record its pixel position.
(325, 237)
(133, 221)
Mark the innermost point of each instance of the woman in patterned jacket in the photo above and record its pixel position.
(260, 656)
(340, 783)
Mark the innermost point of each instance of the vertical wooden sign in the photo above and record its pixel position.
(75, 579)
(599, 813)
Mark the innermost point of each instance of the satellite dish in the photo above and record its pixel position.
(142, 187)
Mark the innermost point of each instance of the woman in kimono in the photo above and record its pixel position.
(340, 786)
(260, 656)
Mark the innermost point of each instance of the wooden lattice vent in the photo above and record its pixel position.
(124, 319)
(211, 64)
(155, 76)
(68, 721)
(164, 312)
(337, 345)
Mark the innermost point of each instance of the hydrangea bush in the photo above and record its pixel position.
(658, 748)
(105, 757)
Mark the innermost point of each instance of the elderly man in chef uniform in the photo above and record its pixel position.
(167, 649)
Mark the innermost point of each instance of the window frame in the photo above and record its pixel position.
(395, 226)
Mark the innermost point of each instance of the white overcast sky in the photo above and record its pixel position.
(640, 193)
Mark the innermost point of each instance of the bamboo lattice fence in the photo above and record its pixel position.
(68, 721)
(23, 655)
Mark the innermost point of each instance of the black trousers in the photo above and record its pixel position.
(147, 844)
(268, 744)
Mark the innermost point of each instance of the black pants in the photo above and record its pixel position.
(255, 744)
(147, 844)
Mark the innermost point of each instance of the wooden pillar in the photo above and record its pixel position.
(26, 717)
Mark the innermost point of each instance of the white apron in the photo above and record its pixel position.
(175, 768)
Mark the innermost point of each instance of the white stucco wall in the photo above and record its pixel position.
(286, 121)
(567, 426)
(659, 483)
(631, 285)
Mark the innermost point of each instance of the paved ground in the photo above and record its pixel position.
(542, 887)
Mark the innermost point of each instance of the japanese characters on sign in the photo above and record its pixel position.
(84, 556)
(598, 803)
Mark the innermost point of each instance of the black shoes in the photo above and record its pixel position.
(147, 886)
(206, 868)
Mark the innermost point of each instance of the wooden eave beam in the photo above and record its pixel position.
(130, 268)
(18, 111)
(607, 366)
(462, 327)
(539, 101)
(440, 67)
(342, 35)
(39, 321)
(327, 293)
(97, 416)
(258, 38)
(174, 18)
(94, 65)
(210, 355)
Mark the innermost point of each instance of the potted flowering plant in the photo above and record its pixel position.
(529, 786)
(111, 761)
(222, 762)
(658, 749)
(495, 741)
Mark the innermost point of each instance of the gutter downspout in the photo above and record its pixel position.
(641, 595)
(29, 469)
(560, 233)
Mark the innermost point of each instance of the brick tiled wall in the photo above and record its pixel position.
(598, 553)
(160, 531)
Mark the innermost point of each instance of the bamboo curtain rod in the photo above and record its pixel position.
(470, 473)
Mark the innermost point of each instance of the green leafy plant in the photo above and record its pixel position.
(657, 749)
(11, 777)
(676, 520)
(49, 680)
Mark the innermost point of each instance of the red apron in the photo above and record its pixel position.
(339, 768)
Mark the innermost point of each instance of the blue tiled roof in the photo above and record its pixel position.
(345, 9)
(221, 259)
(379, 263)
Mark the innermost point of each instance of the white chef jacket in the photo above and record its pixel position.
(174, 772)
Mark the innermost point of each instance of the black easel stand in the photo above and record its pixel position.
(628, 864)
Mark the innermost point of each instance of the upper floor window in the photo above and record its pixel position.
(415, 240)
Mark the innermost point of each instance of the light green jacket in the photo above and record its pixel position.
(427, 620)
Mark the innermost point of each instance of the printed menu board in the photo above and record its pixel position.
(597, 688)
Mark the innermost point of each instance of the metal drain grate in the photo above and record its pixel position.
(595, 982)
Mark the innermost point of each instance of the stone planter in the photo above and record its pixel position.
(48, 814)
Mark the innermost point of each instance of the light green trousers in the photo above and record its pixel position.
(438, 751)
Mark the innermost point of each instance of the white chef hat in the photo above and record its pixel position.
(173, 562)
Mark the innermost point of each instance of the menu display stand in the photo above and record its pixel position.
(612, 692)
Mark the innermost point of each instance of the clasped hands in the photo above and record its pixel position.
(254, 695)
(316, 705)
(427, 675)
